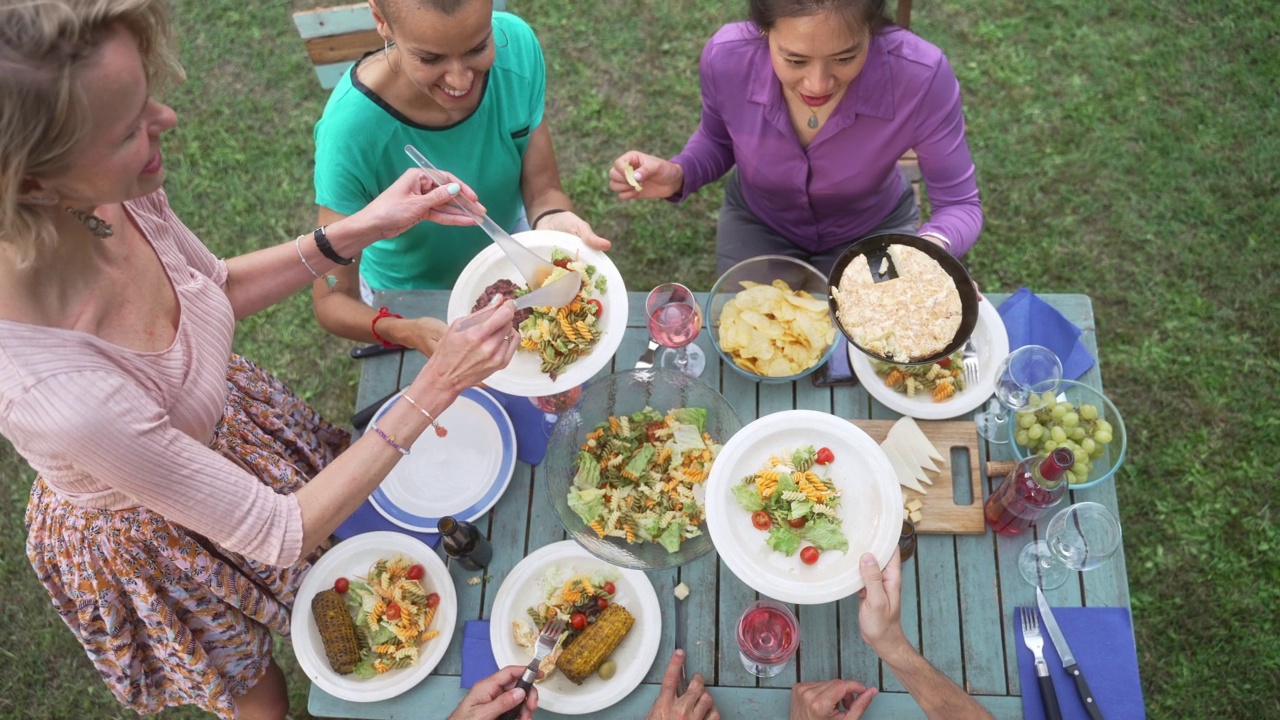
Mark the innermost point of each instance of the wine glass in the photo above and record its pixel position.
(552, 406)
(674, 321)
(1080, 537)
(768, 636)
(1027, 367)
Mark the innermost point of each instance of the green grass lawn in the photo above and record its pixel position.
(1125, 150)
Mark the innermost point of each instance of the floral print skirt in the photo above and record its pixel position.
(167, 616)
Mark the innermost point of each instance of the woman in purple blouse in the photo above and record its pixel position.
(814, 101)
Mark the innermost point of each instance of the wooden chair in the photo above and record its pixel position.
(909, 163)
(337, 36)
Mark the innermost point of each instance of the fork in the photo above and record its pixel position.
(547, 640)
(1035, 643)
(970, 363)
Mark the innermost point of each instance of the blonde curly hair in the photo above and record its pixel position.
(43, 46)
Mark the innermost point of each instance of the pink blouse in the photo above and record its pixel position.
(112, 428)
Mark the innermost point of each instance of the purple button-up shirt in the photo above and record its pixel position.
(847, 180)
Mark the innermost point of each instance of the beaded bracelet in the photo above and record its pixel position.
(391, 439)
(383, 312)
(441, 431)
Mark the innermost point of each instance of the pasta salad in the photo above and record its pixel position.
(561, 335)
(393, 615)
(941, 380)
(794, 499)
(636, 476)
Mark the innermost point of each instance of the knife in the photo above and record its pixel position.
(1068, 660)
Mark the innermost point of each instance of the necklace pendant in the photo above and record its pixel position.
(813, 121)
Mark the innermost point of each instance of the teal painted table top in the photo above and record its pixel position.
(958, 592)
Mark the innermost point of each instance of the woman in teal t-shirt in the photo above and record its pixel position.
(466, 86)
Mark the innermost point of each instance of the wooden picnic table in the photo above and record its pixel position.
(958, 593)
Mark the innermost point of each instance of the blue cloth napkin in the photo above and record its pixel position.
(478, 662)
(1029, 320)
(530, 423)
(366, 518)
(1102, 641)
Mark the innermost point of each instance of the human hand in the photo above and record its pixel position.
(696, 702)
(569, 222)
(880, 614)
(658, 178)
(422, 334)
(412, 199)
(842, 699)
(465, 357)
(495, 695)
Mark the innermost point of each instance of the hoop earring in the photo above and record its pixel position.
(505, 41)
(386, 53)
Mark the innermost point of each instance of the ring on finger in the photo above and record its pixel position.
(506, 338)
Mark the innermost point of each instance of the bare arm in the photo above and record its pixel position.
(262, 278)
(340, 310)
(541, 190)
(881, 622)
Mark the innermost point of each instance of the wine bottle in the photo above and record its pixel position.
(1026, 495)
(465, 543)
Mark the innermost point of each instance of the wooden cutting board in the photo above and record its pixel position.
(941, 513)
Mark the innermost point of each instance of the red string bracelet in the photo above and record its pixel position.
(383, 312)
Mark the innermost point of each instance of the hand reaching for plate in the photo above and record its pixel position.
(495, 695)
(694, 704)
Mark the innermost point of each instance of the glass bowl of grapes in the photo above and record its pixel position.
(627, 466)
(1082, 419)
(769, 318)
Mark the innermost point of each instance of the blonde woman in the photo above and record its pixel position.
(179, 496)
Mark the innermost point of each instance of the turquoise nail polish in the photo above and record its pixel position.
(454, 188)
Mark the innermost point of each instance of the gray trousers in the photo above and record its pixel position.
(741, 235)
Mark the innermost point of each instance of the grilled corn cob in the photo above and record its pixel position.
(337, 631)
(585, 655)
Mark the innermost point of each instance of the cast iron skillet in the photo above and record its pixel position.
(876, 248)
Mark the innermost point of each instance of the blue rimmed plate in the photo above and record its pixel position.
(461, 475)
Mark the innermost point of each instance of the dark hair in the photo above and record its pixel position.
(857, 14)
(398, 7)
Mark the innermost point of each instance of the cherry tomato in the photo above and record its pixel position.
(610, 588)
(944, 363)
(598, 307)
(415, 572)
(825, 456)
(796, 522)
(578, 620)
(809, 555)
(393, 610)
(562, 262)
(341, 585)
(602, 603)
(761, 520)
(433, 600)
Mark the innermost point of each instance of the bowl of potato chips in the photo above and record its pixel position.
(770, 320)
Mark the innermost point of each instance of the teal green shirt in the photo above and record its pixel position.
(360, 143)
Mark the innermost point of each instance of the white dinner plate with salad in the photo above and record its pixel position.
(869, 511)
(352, 559)
(462, 475)
(992, 343)
(524, 376)
(548, 568)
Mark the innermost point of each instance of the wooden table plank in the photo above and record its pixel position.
(948, 606)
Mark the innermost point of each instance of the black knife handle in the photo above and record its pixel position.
(1086, 695)
(525, 682)
(367, 351)
(1049, 697)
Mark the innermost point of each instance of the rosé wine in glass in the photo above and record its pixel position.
(768, 635)
(674, 322)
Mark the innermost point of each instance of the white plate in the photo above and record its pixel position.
(870, 509)
(461, 475)
(351, 559)
(993, 345)
(524, 376)
(522, 589)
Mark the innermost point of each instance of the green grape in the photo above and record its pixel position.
(1058, 411)
(1102, 436)
(1070, 419)
(1047, 447)
(1097, 453)
(1058, 434)
(1026, 420)
(1088, 412)
(1022, 438)
(1088, 445)
(1078, 433)
(1103, 426)
(1035, 432)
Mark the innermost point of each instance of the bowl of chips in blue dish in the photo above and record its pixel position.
(769, 318)
(626, 467)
